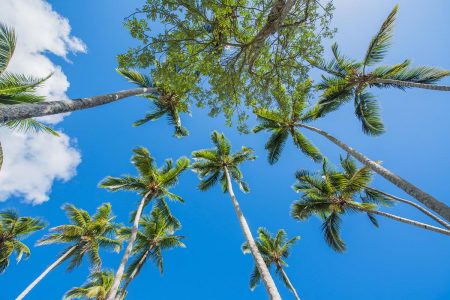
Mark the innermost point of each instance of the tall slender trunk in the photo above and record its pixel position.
(1, 156)
(25, 111)
(259, 261)
(422, 209)
(407, 221)
(413, 84)
(437, 206)
(133, 274)
(289, 283)
(118, 277)
(49, 268)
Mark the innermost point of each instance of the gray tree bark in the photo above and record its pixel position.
(32, 110)
(413, 84)
(119, 274)
(46, 271)
(407, 221)
(422, 209)
(432, 203)
(259, 261)
(289, 283)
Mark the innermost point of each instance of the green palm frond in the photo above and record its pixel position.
(27, 125)
(136, 77)
(7, 46)
(275, 144)
(367, 111)
(381, 41)
(331, 231)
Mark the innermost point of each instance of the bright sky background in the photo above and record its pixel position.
(80, 40)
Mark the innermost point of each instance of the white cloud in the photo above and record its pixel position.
(33, 162)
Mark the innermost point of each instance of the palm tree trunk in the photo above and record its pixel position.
(259, 261)
(432, 203)
(133, 274)
(289, 283)
(422, 209)
(413, 84)
(49, 268)
(407, 221)
(118, 277)
(25, 111)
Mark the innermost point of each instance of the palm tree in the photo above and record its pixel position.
(85, 235)
(17, 88)
(13, 229)
(19, 103)
(282, 121)
(96, 287)
(278, 122)
(350, 79)
(218, 164)
(166, 102)
(274, 250)
(156, 235)
(151, 183)
(330, 194)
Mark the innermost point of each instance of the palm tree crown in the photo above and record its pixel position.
(12, 230)
(151, 180)
(85, 234)
(166, 101)
(330, 194)
(210, 164)
(155, 235)
(283, 121)
(350, 79)
(17, 88)
(274, 251)
(96, 287)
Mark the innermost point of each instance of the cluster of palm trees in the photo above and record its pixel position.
(328, 194)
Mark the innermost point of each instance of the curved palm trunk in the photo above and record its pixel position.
(407, 221)
(413, 84)
(25, 111)
(422, 209)
(289, 283)
(259, 261)
(119, 274)
(133, 274)
(49, 268)
(437, 206)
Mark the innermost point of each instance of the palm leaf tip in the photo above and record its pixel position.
(136, 77)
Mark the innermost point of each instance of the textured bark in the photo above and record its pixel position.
(51, 267)
(432, 203)
(119, 274)
(289, 283)
(25, 111)
(413, 84)
(259, 261)
(422, 209)
(408, 221)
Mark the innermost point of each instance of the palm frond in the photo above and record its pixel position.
(381, 41)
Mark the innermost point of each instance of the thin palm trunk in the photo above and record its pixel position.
(413, 84)
(120, 271)
(437, 206)
(407, 221)
(133, 274)
(259, 261)
(49, 268)
(422, 209)
(32, 110)
(289, 283)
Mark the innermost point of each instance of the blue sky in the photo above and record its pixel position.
(395, 261)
